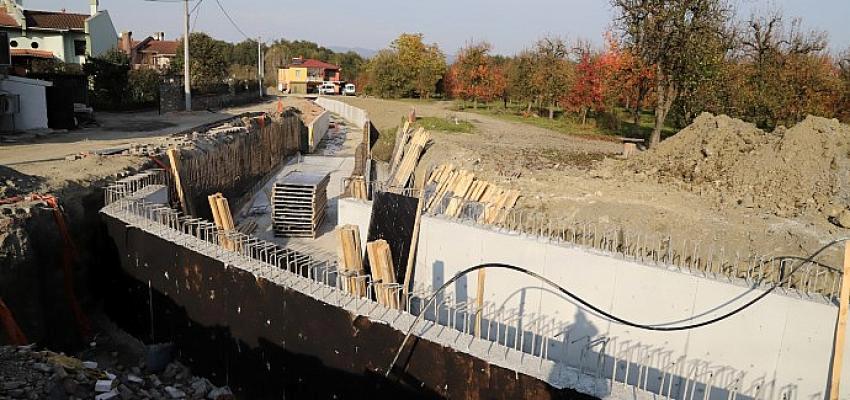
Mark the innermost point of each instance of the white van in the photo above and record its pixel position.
(327, 88)
(348, 90)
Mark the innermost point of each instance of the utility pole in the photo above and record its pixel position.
(260, 69)
(187, 88)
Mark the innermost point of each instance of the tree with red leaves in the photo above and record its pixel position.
(474, 76)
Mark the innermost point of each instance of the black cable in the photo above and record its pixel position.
(603, 313)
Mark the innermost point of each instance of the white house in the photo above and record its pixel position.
(29, 99)
(59, 35)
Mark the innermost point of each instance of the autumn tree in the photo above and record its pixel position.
(408, 67)
(551, 72)
(671, 35)
(518, 72)
(789, 73)
(588, 89)
(475, 75)
(425, 63)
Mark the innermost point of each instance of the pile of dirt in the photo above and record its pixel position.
(14, 183)
(785, 172)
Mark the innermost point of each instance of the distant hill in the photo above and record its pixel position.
(363, 52)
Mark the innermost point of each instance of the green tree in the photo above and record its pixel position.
(386, 77)
(109, 79)
(208, 60)
(425, 64)
(551, 71)
(670, 35)
(519, 71)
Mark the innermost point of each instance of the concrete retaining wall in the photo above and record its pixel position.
(317, 130)
(353, 114)
(779, 348)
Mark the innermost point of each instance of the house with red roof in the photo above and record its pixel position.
(304, 75)
(153, 52)
(56, 35)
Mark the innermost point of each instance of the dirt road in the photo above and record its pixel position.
(561, 178)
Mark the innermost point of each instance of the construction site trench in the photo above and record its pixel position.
(108, 250)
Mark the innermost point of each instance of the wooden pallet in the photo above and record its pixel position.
(299, 202)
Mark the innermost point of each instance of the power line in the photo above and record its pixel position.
(231, 20)
(606, 314)
(197, 12)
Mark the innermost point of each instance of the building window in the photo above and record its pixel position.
(79, 47)
(34, 45)
(13, 43)
(297, 73)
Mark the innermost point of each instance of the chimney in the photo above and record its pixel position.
(126, 42)
(159, 36)
(93, 5)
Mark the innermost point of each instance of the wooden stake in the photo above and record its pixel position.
(840, 327)
(479, 300)
(414, 241)
(173, 160)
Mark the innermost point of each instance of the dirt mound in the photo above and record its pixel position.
(787, 171)
(14, 183)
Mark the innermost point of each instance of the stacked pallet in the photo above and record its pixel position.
(351, 260)
(299, 202)
(406, 156)
(383, 273)
(455, 188)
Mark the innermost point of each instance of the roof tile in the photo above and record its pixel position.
(55, 20)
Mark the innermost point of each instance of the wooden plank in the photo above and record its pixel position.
(414, 241)
(479, 300)
(173, 159)
(840, 328)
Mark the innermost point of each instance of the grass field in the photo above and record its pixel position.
(618, 123)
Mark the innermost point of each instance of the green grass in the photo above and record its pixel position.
(445, 125)
(606, 126)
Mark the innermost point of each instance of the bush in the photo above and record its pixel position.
(109, 75)
(144, 87)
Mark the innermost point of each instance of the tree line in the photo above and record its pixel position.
(671, 58)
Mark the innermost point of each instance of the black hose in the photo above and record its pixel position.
(603, 313)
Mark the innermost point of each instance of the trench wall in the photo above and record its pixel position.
(317, 129)
(236, 166)
(779, 348)
(271, 333)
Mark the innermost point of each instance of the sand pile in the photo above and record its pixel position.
(787, 171)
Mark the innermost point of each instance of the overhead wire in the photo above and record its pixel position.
(229, 18)
(606, 314)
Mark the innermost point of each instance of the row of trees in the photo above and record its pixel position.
(676, 58)
(215, 61)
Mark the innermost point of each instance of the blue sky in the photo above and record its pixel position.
(509, 25)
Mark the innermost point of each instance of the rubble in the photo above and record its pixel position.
(29, 374)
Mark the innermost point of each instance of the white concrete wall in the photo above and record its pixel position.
(102, 34)
(352, 114)
(779, 348)
(33, 97)
(317, 129)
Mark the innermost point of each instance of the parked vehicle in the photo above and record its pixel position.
(327, 88)
(349, 90)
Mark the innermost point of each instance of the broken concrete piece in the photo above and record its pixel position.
(134, 379)
(89, 364)
(108, 395)
(174, 393)
(103, 385)
(222, 393)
